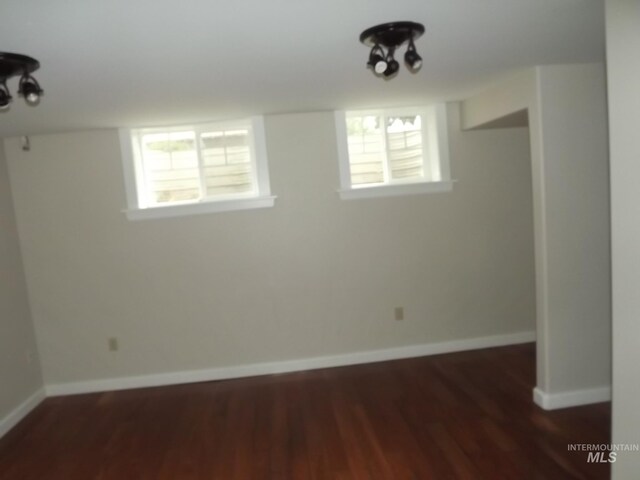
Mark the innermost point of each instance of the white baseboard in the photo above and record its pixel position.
(575, 398)
(21, 411)
(240, 371)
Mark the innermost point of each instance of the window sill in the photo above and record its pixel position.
(396, 190)
(200, 208)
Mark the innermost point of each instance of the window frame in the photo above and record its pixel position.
(434, 130)
(140, 208)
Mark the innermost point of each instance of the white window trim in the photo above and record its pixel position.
(414, 188)
(434, 128)
(137, 208)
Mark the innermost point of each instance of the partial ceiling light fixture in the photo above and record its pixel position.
(13, 65)
(391, 36)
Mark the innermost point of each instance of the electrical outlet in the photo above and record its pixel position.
(113, 344)
(399, 313)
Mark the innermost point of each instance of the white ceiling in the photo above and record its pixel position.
(110, 63)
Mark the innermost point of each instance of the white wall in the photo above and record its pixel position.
(567, 120)
(623, 68)
(312, 276)
(20, 376)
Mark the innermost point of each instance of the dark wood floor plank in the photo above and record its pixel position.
(467, 415)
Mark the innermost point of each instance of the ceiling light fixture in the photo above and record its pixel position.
(411, 57)
(13, 65)
(376, 60)
(5, 96)
(391, 36)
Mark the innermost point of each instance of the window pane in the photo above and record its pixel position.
(227, 162)
(171, 167)
(366, 149)
(404, 144)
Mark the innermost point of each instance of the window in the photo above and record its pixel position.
(393, 152)
(196, 169)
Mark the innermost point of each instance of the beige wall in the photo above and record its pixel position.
(20, 375)
(312, 276)
(623, 68)
(513, 94)
(573, 116)
(566, 107)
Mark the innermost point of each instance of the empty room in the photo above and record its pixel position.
(319, 240)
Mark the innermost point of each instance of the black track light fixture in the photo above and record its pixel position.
(411, 57)
(5, 96)
(392, 64)
(13, 65)
(391, 36)
(29, 89)
(377, 60)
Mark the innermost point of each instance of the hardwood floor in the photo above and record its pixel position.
(466, 415)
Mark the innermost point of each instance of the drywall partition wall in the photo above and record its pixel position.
(20, 376)
(514, 94)
(517, 93)
(573, 115)
(623, 69)
(566, 107)
(312, 276)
